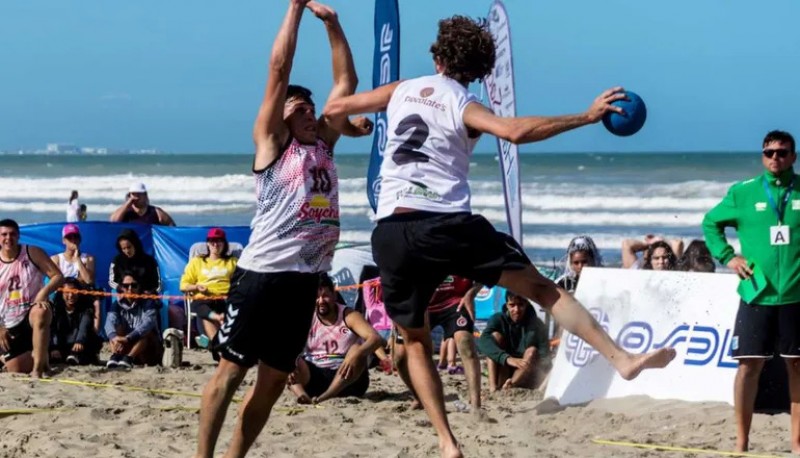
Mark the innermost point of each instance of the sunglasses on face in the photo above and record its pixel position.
(128, 285)
(780, 152)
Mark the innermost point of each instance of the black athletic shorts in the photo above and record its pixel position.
(763, 330)
(451, 321)
(268, 318)
(20, 339)
(322, 378)
(416, 251)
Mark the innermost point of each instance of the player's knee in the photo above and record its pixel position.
(750, 367)
(466, 346)
(39, 317)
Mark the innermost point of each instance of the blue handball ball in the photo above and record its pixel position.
(631, 121)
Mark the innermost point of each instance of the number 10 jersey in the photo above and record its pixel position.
(428, 147)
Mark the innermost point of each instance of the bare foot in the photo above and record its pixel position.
(508, 385)
(744, 446)
(450, 450)
(635, 364)
(480, 416)
(303, 399)
(415, 405)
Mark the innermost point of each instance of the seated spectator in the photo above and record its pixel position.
(132, 327)
(696, 258)
(659, 256)
(515, 343)
(132, 258)
(137, 209)
(630, 247)
(83, 214)
(581, 252)
(207, 278)
(73, 263)
(73, 338)
(334, 362)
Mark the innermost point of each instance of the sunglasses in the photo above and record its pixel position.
(128, 285)
(781, 152)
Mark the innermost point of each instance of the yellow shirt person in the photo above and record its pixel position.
(214, 274)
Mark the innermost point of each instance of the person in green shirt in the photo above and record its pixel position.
(765, 211)
(516, 345)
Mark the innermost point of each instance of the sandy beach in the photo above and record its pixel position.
(83, 421)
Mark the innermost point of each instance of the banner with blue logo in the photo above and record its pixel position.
(647, 310)
(385, 69)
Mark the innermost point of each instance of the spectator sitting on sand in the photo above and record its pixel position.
(72, 333)
(133, 259)
(515, 343)
(132, 327)
(334, 362)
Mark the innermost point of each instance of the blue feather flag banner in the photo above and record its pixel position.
(385, 69)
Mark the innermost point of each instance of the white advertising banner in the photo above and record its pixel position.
(645, 310)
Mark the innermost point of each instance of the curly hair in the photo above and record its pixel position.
(465, 48)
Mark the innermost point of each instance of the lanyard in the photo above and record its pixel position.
(779, 211)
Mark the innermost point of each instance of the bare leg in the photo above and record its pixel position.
(339, 383)
(40, 322)
(443, 354)
(428, 386)
(793, 368)
(217, 396)
(210, 328)
(21, 364)
(472, 367)
(401, 363)
(255, 410)
(496, 371)
(573, 317)
(745, 388)
(301, 378)
(451, 352)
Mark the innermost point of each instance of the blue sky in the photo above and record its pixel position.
(187, 76)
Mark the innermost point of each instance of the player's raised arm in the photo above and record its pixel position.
(270, 131)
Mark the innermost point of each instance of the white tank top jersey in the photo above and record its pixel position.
(20, 282)
(70, 269)
(296, 225)
(327, 346)
(426, 161)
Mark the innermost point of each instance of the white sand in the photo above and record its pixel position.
(112, 422)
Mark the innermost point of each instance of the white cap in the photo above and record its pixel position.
(137, 188)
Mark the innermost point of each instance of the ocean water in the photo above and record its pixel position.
(607, 196)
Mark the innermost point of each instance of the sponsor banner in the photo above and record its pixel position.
(644, 310)
(385, 69)
(499, 86)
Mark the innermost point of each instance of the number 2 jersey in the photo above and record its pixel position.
(327, 345)
(296, 225)
(428, 147)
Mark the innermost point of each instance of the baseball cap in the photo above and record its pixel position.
(137, 188)
(216, 233)
(70, 229)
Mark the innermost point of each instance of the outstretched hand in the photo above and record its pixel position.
(602, 104)
(301, 3)
(324, 12)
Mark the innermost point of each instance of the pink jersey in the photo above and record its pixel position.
(296, 225)
(20, 282)
(327, 345)
(373, 303)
